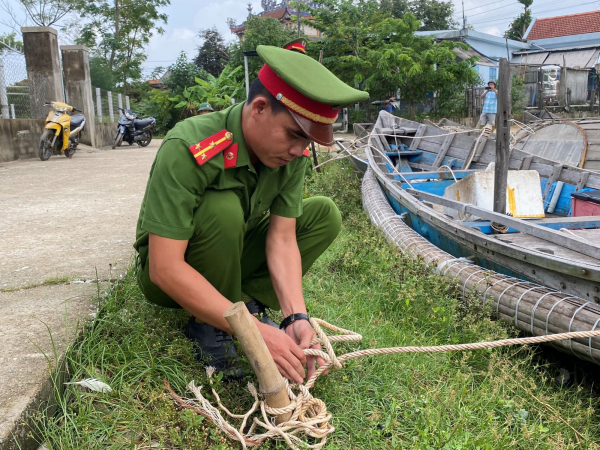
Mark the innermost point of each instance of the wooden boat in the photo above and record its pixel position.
(542, 274)
(356, 149)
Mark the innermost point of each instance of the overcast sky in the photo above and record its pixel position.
(187, 17)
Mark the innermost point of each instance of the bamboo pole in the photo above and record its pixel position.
(270, 380)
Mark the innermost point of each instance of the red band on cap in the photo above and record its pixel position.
(295, 101)
(296, 46)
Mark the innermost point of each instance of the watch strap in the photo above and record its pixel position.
(291, 319)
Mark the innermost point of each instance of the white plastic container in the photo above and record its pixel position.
(523, 194)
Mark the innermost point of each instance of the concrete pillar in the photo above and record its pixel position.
(111, 113)
(40, 45)
(78, 86)
(99, 104)
(3, 95)
(127, 106)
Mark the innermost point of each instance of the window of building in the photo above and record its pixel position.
(493, 73)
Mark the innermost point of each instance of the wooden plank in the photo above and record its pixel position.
(442, 153)
(470, 156)
(542, 245)
(420, 131)
(583, 180)
(554, 176)
(480, 147)
(557, 223)
(402, 131)
(526, 162)
(563, 239)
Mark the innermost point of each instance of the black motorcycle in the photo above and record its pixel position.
(133, 129)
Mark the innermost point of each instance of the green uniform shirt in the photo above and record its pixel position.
(177, 183)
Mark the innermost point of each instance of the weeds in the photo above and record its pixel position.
(506, 398)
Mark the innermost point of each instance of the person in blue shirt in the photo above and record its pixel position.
(490, 105)
(388, 105)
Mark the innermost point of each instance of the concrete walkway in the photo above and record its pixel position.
(62, 223)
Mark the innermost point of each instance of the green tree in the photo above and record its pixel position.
(218, 91)
(212, 54)
(433, 14)
(383, 55)
(182, 74)
(519, 26)
(118, 30)
(259, 31)
(100, 74)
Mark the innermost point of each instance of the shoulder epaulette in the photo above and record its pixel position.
(209, 147)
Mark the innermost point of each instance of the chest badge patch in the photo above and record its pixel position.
(209, 147)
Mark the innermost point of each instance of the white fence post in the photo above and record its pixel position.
(99, 104)
(120, 97)
(127, 102)
(3, 96)
(110, 107)
(12, 111)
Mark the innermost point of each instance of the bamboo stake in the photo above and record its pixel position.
(270, 380)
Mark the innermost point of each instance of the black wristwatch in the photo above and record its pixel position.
(291, 319)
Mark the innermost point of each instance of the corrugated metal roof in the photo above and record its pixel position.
(469, 53)
(579, 58)
(533, 59)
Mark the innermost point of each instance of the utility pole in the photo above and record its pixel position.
(502, 137)
(299, 22)
(464, 20)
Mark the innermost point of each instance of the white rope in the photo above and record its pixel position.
(308, 415)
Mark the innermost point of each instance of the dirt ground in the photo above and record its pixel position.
(59, 219)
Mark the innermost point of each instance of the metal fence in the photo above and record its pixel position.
(107, 104)
(20, 96)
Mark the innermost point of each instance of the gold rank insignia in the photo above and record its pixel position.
(209, 147)
(230, 157)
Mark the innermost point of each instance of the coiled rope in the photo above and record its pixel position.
(310, 417)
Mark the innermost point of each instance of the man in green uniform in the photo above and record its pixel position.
(223, 218)
(205, 108)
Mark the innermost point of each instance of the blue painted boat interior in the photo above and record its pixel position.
(401, 156)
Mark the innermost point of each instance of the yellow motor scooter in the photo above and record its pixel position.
(62, 131)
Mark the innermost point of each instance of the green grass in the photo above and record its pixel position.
(506, 398)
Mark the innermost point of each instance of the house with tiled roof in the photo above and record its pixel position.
(282, 12)
(567, 30)
(569, 42)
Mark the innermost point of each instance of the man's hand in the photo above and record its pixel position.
(302, 333)
(288, 357)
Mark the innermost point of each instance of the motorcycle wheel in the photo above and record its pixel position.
(69, 152)
(146, 140)
(46, 147)
(118, 140)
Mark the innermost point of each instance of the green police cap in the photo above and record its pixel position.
(205, 107)
(297, 45)
(311, 93)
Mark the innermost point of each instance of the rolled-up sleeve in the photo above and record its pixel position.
(288, 202)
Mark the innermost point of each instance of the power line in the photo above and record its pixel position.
(503, 6)
(512, 16)
(495, 2)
